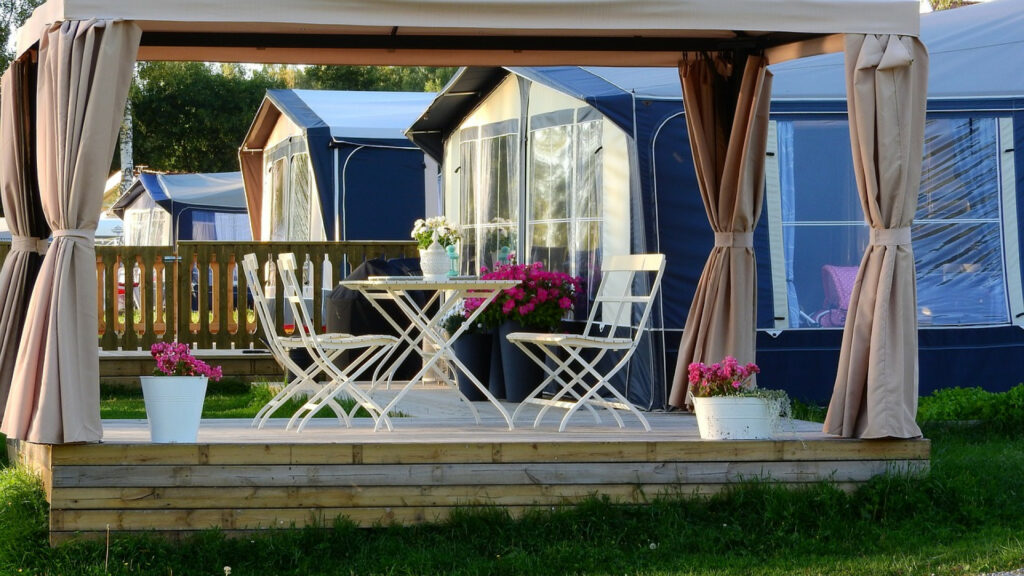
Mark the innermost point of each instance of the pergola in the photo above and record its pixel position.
(63, 100)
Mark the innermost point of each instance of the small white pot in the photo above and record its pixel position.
(733, 418)
(174, 405)
(434, 263)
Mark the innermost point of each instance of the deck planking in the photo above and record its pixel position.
(240, 479)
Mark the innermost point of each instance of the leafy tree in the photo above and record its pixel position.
(949, 4)
(13, 14)
(191, 117)
(384, 78)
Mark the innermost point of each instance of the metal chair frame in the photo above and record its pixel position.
(343, 380)
(580, 383)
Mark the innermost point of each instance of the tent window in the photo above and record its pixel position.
(564, 195)
(489, 182)
(958, 244)
(278, 229)
(298, 197)
(158, 233)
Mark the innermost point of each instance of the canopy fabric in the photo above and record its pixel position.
(974, 52)
(24, 219)
(366, 117)
(875, 394)
(336, 124)
(219, 190)
(728, 151)
(85, 70)
(432, 32)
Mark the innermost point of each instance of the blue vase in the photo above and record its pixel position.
(474, 351)
(521, 374)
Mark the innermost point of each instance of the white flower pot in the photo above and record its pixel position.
(434, 263)
(733, 418)
(174, 405)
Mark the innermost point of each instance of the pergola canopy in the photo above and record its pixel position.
(497, 32)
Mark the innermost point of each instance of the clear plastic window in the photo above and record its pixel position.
(298, 210)
(956, 231)
(278, 209)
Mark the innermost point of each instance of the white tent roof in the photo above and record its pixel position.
(427, 31)
(974, 52)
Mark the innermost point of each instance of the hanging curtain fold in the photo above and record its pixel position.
(85, 69)
(25, 219)
(727, 121)
(875, 393)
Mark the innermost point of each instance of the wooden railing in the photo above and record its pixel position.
(196, 295)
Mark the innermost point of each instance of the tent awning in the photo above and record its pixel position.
(520, 32)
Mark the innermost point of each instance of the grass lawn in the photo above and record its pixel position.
(229, 398)
(965, 517)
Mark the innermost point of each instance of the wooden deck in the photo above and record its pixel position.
(241, 479)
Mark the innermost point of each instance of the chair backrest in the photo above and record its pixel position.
(251, 269)
(628, 283)
(837, 283)
(292, 290)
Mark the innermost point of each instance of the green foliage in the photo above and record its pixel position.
(1002, 411)
(383, 78)
(13, 14)
(229, 398)
(192, 117)
(23, 522)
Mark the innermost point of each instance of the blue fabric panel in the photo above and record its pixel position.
(384, 192)
(204, 225)
(804, 362)
(684, 235)
(181, 225)
(611, 100)
(1018, 161)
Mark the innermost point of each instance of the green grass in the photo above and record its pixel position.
(229, 398)
(965, 517)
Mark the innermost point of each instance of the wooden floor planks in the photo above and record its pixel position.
(240, 479)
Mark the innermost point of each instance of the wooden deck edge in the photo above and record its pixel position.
(268, 520)
(462, 452)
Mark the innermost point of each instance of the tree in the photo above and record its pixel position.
(949, 4)
(384, 78)
(192, 117)
(13, 14)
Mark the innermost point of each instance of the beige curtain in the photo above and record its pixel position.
(875, 394)
(25, 219)
(727, 121)
(85, 69)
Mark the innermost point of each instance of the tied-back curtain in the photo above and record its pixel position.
(875, 393)
(24, 216)
(727, 121)
(85, 69)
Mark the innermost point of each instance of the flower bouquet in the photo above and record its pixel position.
(423, 232)
(175, 359)
(539, 302)
(174, 395)
(730, 406)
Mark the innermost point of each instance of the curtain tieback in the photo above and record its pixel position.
(29, 244)
(734, 239)
(890, 236)
(81, 233)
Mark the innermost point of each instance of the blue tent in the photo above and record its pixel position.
(369, 181)
(811, 235)
(200, 207)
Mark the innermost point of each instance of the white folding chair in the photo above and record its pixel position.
(629, 284)
(323, 350)
(304, 379)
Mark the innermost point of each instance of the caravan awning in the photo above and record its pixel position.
(446, 32)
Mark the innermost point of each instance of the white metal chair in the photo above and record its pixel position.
(280, 346)
(629, 284)
(323, 350)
